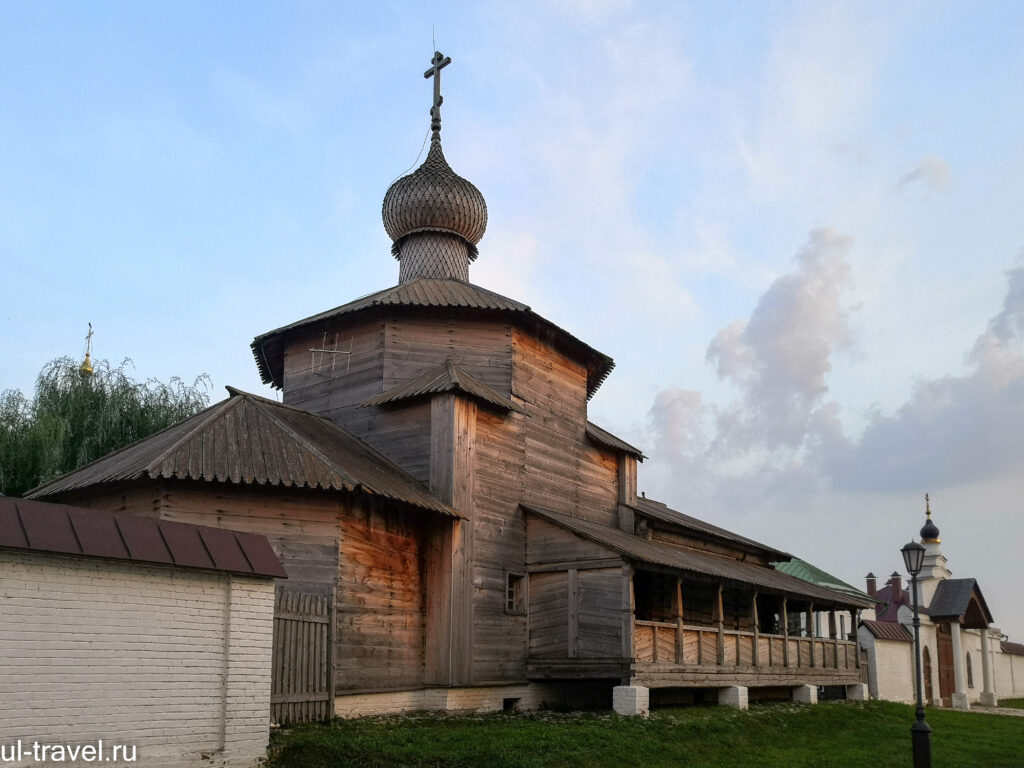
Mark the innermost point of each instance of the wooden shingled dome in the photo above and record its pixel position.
(434, 198)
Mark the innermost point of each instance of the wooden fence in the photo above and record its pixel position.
(302, 680)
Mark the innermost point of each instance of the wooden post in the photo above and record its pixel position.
(721, 627)
(810, 628)
(628, 652)
(856, 648)
(680, 649)
(449, 644)
(785, 633)
(756, 655)
(834, 633)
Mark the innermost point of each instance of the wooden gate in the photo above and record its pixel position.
(946, 681)
(302, 679)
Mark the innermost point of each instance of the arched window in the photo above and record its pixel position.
(970, 672)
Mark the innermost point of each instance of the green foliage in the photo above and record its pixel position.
(827, 735)
(1011, 703)
(76, 419)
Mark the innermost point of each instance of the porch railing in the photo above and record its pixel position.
(671, 642)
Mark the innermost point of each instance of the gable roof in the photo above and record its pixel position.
(607, 439)
(268, 348)
(804, 570)
(249, 440)
(660, 511)
(953, 598)
(888, 630)
(60, 529)
(699, 563)
(447, 377)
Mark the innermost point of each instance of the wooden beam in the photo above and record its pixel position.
(756, 656)
(721, 626)
(785, 634)
(680, 645)
(627, 612)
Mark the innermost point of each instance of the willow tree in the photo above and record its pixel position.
(76, 418)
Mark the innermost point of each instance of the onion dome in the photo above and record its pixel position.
(930, 531)
(434, 217)
(434, 198)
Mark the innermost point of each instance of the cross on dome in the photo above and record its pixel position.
(439, 62)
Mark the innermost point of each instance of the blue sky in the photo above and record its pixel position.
(795, 226)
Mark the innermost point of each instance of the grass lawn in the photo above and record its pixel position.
(1012, 703)
(767, 736)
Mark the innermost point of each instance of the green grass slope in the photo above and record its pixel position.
(768, 736)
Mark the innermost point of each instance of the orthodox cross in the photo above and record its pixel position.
(439, 62)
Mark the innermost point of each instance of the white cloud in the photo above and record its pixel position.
(932, 172)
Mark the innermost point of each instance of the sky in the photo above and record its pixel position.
(796, 227)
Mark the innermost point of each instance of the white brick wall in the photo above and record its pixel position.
(175, 661)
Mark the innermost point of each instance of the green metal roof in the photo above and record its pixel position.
(801, 569)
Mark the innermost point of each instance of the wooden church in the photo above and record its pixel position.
(432, 480)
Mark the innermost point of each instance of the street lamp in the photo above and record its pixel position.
(921, 732)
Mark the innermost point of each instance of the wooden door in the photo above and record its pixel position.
(926, 672)
(946, 683)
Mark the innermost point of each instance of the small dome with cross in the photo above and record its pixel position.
(434, 216)
(434, 198)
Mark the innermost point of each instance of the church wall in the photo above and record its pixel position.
(416, 342)
(381, 601)
(499, 637)
(563, 471)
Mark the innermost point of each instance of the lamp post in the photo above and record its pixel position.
(921, 732)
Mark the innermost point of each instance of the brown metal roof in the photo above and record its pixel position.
(659, 511)
(700, 563)
(447, 377)
(607, 439)
(888, 630)
(248, 440)
(57, 528)
(1015, 649)
(268, 348)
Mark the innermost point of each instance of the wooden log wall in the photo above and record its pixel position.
(373, 555)
(381, 623)
(563, 471)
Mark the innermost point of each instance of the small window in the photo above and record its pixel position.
(514, 584)
(970, 672)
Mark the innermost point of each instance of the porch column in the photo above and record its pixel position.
(988, 696)
(721, 626)
(810, 629)
(960, 695)
(785, 633)
(756, 655)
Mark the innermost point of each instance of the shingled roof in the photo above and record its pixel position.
(660, 511)
(250, 440)
(960, 599)
(607, 439)
(268, 348)
(447, 377)
(60, 529)
(716, 566)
